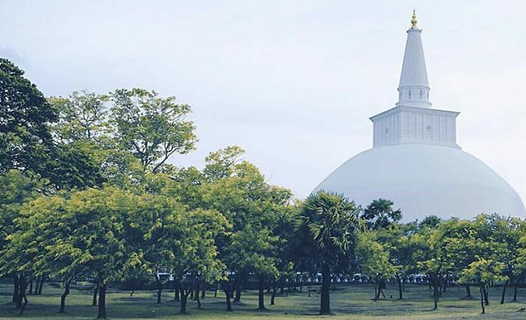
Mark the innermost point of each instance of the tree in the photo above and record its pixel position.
(26, 139)
(41, 248)
(16, 189)
(482, 272)
(380, 214)
(84, 126)
(83, 116)
(25, 118)
(374, 261)
(505, 234)
(326, 236)
(150, 127)
(427, 254)
(396, 240)
(88, 231)
(238, 190)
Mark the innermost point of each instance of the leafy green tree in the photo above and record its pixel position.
(238, 190)
(89, 232)
(16, 188)
(26, 140)
(396, 240)
(83, 116)
(504, 234)
(35, 249)
(222, 163)
(483, 272)
(487, 237)
(150, 127)
(460, 245)
(25, 118)
(203, 264)
(326, 236)
(431, 221)
(427, 254)
(380, 214)
(83, 125)
(374, 261)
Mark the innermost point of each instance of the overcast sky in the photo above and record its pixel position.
(292, 82)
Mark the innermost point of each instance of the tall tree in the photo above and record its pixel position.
(16, 189)
(238, 190)
(83, 116)
(373, 259)
(483, 272)
(26, 140)
(89, 231)
(380, 214)
(150, 127)
(25, 117)
(428, 248)
(326, 236)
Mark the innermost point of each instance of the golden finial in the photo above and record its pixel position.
(413, 20)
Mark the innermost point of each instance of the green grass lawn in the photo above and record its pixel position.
(348, 302)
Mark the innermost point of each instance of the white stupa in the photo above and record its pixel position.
(415, 160)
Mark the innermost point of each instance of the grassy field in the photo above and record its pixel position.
(348, 302)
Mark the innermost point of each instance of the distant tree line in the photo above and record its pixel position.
(87, 193)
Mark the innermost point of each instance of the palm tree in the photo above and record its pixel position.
(326, 233)
(380, 214)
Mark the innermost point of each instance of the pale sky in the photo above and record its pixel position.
(292, 82)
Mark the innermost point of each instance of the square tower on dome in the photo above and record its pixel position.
(415, 125)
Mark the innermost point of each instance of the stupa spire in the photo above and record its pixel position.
(414, 21)
(414, 86)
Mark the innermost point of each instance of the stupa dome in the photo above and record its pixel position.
(415, 160)
(424, 180)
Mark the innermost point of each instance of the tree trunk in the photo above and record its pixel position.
(102, 301)
(16, 288)
(468, 291)
(41, 285)
(435, 295)
(37, 282)
(25, 302)
(197, 289)
(325, 303)
(482, 298)
(273, 297)
(63, 298)
(21, 292)
(196, 295)
(261, 293)
(159, 288)
(95, 293)
(30, 286)
(237, 288)
(228, 303)
(176, 291)
(176, 295)
(400, 291)
(516, 287)
(184, 299)
(504, 291)
(486, 294)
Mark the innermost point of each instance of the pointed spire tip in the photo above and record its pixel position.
(414, 21)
